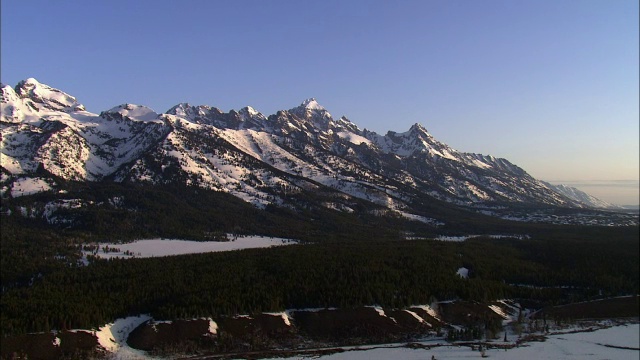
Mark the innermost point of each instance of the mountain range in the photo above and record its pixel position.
(49, 137)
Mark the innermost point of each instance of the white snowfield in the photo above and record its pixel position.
(162, 247)
(28, 186)
(615, 343)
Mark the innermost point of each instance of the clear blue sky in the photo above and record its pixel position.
(551, 85)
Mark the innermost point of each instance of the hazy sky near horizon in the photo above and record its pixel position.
(550, 85)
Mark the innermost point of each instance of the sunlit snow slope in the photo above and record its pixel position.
(260, 159)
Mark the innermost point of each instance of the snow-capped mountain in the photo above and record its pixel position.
(581, 196)
(260, 159)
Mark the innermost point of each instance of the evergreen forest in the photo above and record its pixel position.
(343, 260)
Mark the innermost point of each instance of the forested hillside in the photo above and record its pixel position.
(345, 260)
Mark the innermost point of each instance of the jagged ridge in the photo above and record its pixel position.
(258, 158)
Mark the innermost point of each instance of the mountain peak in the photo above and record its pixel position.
(312, 104)
(251, 118)
(311, 111)
(136, 112)
(249, 110)
(419, 127)
(183, 109)
(49, 97)
(420, 131)
(31, 81)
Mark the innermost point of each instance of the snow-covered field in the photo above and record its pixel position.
(586, 345)
(162, 247)
(29, 186)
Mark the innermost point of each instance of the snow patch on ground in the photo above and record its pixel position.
(160, 247)
(51, 207)
(29, 186)
(463, 272)
(417, 317)
(498, 310)
(213, 327)
(113, 337)
(514, 308)
(419, 218)
(429, 310)
(587, 345)
(284, 315)
(378, 309)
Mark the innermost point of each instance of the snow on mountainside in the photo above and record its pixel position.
(581, 196)
(57, 134)
(260, 159)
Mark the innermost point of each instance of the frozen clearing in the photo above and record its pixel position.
(586, 345)
(160, 247)
(29, 186)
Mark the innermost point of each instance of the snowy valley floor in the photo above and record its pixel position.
(171, 247)
(615, 343)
